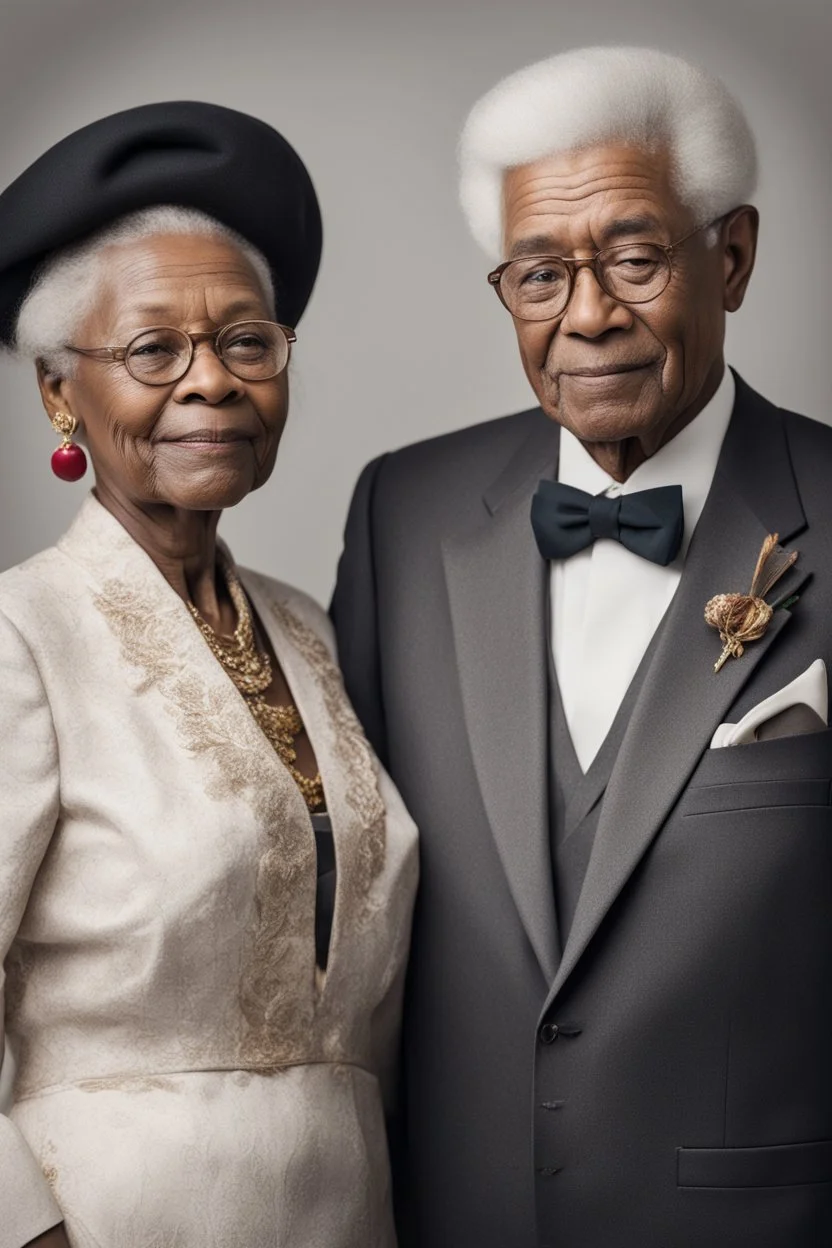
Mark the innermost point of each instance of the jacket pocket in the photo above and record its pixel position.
(779, 1165)
(786, 771)
(747, 795)
(783, 758)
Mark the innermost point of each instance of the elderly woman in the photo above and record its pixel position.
(199, 1042)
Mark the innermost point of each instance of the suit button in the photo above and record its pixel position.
(549, 1033)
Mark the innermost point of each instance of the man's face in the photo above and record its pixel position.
(607, 370)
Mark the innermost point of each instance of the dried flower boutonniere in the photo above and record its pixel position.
(741, 618)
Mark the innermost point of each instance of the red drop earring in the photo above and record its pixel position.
(69, 461)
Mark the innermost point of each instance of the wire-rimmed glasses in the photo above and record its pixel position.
(161, 355)
(538, 288)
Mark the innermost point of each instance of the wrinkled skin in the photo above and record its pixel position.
(168, 459)
(624, 378)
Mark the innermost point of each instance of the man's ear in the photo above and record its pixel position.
(55, 391)
(738, 240)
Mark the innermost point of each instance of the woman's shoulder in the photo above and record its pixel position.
(288, 599)
(33, 586)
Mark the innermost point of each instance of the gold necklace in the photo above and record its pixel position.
(251, 671)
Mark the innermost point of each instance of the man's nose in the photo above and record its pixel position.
(591, 312)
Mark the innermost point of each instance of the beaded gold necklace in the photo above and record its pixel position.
(251, 671)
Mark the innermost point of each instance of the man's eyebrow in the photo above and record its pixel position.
(625, 227)
(537, 245)
(621, 227)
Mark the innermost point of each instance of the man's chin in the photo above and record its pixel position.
(608, 408)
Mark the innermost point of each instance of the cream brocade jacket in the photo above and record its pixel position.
(185, 1077)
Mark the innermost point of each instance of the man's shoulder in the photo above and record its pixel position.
(809, 442)
(772, 433)
(810, 453)
(469, 457)
(801, 430)
(807, 431)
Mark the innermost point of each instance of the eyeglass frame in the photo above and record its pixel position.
(212, 336)
(573, 263)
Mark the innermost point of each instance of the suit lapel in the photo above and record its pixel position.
(496, 583)
(682, 700)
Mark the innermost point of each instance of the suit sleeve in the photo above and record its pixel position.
(28, 813)
(354, 612)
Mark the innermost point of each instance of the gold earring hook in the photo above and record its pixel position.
(65, 425)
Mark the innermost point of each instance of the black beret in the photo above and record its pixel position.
(193, 155)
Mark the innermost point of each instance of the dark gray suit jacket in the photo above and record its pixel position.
(684, 1097)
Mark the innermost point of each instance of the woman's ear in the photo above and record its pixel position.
(55, 392)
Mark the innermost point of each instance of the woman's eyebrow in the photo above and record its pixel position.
(163, 311)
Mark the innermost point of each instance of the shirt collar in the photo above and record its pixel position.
(688, 460)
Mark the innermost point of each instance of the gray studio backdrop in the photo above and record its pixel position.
(403, 339)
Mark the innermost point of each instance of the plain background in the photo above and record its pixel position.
(403, 339)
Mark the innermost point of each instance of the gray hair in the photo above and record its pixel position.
(68, 283)
(589, 96)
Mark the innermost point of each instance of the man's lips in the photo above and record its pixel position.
(604, 370)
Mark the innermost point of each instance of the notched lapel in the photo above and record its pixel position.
(496, 583)
(683, 700)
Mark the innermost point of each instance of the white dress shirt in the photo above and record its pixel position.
(608, 602)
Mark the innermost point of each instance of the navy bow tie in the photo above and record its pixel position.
(649, 522)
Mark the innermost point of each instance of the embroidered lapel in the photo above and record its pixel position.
(163, 653)
(354, 803)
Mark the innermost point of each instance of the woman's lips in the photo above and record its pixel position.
(209, 439)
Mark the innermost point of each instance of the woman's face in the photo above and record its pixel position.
(204, 441)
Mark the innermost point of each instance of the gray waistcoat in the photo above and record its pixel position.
(575, 798)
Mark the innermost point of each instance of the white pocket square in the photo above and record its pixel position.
(809, 692)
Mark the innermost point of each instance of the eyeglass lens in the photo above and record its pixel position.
(251, 350)
(537, 289)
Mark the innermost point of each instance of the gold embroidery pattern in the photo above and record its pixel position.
(276, 984)
(201, 714)
(350, 748)
(279, 960)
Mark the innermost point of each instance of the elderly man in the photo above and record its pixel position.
(619, 1022)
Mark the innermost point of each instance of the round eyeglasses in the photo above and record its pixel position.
(250, 350)
(538, 288)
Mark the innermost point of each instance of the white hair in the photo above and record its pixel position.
(69, 282)
(589, 96)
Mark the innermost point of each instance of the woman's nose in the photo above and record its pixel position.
(207, 379)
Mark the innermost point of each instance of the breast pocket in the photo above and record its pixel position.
(781, 1165)
(787, 771)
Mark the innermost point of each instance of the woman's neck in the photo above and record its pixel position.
(183, 545)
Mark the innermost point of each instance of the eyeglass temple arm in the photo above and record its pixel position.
(98, 353)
